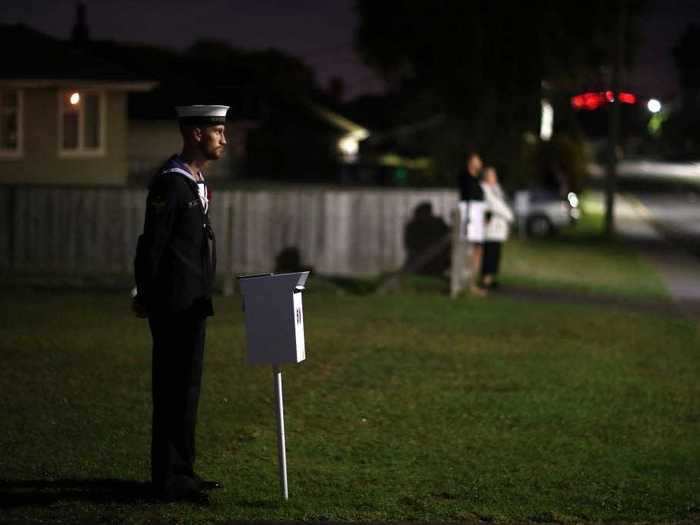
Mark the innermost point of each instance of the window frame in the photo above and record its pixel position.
(81, 151)
(18, 151)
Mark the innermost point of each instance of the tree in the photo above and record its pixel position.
(484, 63)
(687, 57)
(680, 137)
(268, 72)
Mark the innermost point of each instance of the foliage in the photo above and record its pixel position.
(680, 131)
(561, 163)
(469, 52)
(687, 57)
(266, 71)
(292, 144)
(679, 138)
(484, 63)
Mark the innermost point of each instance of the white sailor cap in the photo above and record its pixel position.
(210, 115)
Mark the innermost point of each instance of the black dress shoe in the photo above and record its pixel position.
(182, 488)
(204, 484)
(210, 485)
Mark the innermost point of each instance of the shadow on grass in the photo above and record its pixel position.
(405, 282)
(19, 493)
(260, 504)
(355, 285)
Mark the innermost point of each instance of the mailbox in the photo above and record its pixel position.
(274, 317)
(274, 324)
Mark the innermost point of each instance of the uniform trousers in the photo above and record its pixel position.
(178, 351)
(491, 260)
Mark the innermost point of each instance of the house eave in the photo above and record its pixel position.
(339, 122)
(107, 85)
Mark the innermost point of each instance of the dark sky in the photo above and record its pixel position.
(318, 31)
(662, 25)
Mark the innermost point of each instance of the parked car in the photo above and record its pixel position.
(541, 212)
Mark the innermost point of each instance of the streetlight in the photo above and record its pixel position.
(654, 105)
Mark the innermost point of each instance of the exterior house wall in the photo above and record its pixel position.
(41, 162)
(150, 143)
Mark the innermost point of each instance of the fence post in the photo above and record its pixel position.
(459, 274)
(12, 229)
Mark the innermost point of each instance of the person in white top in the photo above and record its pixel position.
(499, 217)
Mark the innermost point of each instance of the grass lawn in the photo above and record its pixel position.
(410, 407)
(580, 259)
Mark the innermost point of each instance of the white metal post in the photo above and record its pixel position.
(281, 446)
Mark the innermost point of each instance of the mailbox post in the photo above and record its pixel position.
(274, 323)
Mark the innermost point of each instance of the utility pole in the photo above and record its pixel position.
(614, 116)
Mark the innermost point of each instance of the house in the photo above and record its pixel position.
(348, 134)
(403, 154)
(63, 112)
(96, 112)
(153, 134)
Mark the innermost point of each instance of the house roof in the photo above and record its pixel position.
(340, 122)
(44, 60)
(170, 67)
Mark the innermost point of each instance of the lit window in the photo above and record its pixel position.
(82, 122)
(10, 122)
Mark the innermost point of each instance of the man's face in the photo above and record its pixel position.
(474, 165)
(212, 142)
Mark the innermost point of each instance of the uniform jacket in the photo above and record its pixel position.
(175, 260)
(499, 212)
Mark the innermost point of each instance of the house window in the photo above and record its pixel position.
(10, 122)
(82, 120)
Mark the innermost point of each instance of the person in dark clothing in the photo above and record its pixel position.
(174, 267)
(472, 211)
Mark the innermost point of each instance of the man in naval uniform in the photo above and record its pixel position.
(174, 268)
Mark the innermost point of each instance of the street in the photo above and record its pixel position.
(670, 195)
(677, 214)
(658, 209)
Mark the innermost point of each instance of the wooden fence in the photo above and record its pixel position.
(93, 231)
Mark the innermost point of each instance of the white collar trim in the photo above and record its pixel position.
(200, 185)
(186, 173)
